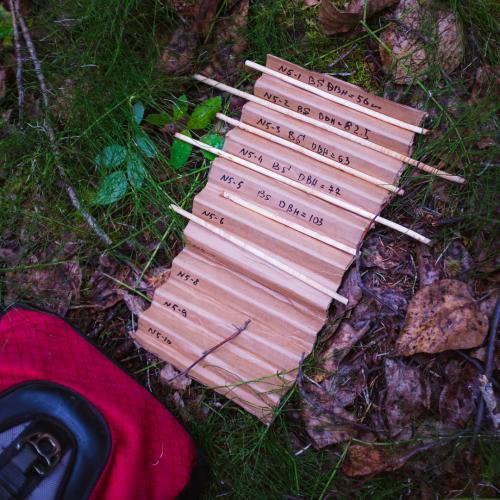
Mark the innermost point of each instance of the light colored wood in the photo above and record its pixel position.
(260, 254)
(329, 128)
(285, 180)
(338, 100)
(301, 229)
(311, 154)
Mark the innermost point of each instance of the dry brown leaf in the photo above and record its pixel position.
(457, 260)
(378, 254)
(157, 276)
(199, 13)
(180, 53)
(350, 289)
(105, 293)
(345, 338)
(457, 401)
(440, 317)
(450, 48)
(427, 270)
(486, 80)
(334, 21)
(362, 460)
(326, 419)
(51, 288)
(134, 303)
(230, 44)
(408, 57)
(312, 3)
(106, 288)
(408, 397)
(169, 376)
(325, 430)
(491, 400)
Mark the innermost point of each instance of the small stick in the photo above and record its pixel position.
(311, 154)
(338, 100)
(52, 136)
(259, 253)
(204, 354)
(329, 128)
(306, 189)
(488, 371)
(474, 362)
(301, 229)
(19, 62)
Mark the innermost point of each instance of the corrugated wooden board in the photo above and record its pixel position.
(216, 286)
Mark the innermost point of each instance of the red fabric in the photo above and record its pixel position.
(151, 455)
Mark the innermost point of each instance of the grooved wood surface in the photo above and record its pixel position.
(215, 286)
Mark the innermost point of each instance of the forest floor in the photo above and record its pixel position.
(367, 420)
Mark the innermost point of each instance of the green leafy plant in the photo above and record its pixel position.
(5, 27)
(123, 166)
(204, 113)
(201, 117)
(214, 140)
(180, 151)
(128, 159)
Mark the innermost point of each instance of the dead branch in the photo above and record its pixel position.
(50, 131)
(488, 371)
(239, 330)
(474, 362)
(19, 62)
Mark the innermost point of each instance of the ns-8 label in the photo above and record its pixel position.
(187, 278)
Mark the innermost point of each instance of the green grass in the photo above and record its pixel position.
(109, 51)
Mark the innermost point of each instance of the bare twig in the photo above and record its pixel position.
(479, 366)
(19, 63)
(490, 353)
(419, 449)
(342, 56)
(488, 371)
(239, 330)
(50, 131)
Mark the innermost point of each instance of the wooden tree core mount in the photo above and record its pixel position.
(273, 232)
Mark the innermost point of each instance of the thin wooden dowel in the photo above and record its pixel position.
(338, 100)
(307, 152)
(306, 189)
(297, 227)
(257, 252)
(329, 128)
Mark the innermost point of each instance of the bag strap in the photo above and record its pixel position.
(29, 459)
